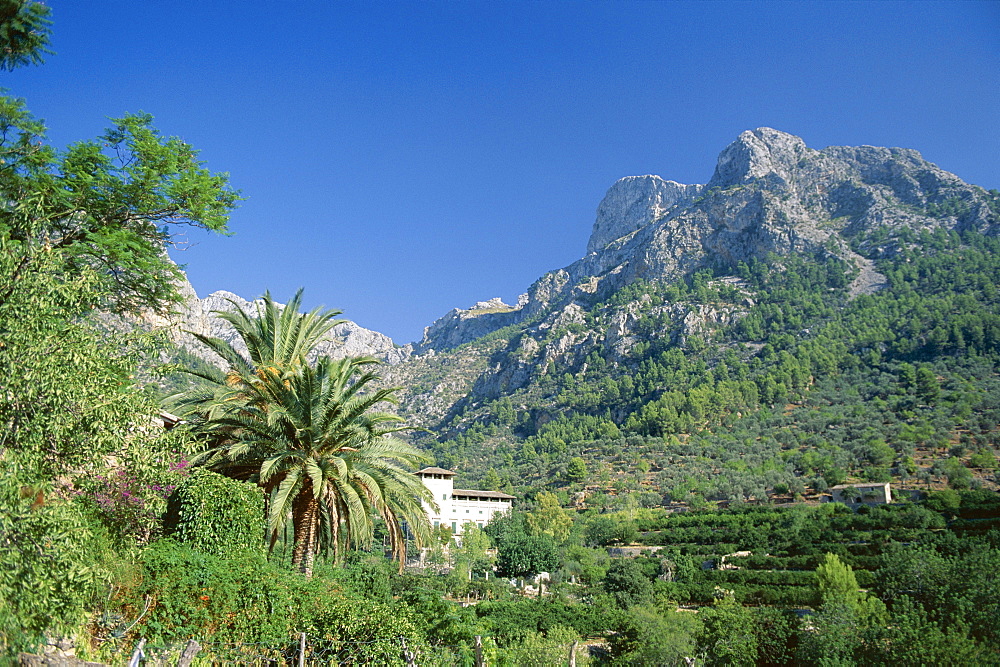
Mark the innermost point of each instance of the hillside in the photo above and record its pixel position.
(806, 317)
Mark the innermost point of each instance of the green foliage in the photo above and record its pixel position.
(310, 433)
(909, 637)
(442, 621)
(729, 635)
(217, 515)
(526, 555)
(107, 205)
(604, 529)
(576, 470)
(648, 637)
(510, 620)
(836, 581)
(53, 564)
(192, 594)
(548, 518)
(551, 648)
(474, 551)
(777, 635)
(627, 583)
(24, 33)
(68, 395)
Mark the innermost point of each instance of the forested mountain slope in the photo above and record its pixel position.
(805, 316)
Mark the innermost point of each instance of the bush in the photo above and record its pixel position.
(647, 637)
(193, 594)
(53, 564)
(627, 583)
(216, 514)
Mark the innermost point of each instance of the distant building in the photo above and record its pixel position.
(865, 493)
(460, 506)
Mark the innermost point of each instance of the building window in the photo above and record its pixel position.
(454, 526)
(444, 496)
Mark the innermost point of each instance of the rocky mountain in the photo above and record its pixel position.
(770, 195)
(196, 315)
(786, 301)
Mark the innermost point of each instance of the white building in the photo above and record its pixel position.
(457, 507)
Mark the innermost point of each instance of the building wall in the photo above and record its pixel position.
(455, 513)
(871, 494)
(475, 511)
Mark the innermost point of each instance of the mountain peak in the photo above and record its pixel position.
(761, 153)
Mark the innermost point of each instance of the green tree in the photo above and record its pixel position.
(549, 518)
(928, 388)
(729, 636)
(52, 564)
(492, 480)
(836, 581)
(520, 555)
(474, 550)
(80, 230)
(552, 648)
(310, 434)
(24, 33)
(603, 530)
(627, 583)
(647, 637)
(576, 470)
(845, 616)
(108, 205)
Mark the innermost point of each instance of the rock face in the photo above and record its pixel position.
(634, 202)
(461, 326)
(770, 193)
(199, 316)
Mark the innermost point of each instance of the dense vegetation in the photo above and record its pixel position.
(806, 388)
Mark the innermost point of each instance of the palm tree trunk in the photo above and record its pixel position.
(304, 519)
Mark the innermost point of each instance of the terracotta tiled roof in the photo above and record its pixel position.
(435, 471)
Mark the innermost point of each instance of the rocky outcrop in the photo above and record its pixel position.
(770, 193)
(634, 202)
(194, 315)
(461, 326)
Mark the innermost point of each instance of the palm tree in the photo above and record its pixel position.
(310, 434)
(275, 337)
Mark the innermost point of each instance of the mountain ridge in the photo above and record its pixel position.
(769, 194)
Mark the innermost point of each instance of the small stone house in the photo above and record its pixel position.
(864, 493)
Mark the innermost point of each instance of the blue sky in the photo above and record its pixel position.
(401, 159)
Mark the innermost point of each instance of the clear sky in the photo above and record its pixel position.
(401, 159)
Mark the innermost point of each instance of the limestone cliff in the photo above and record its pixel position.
(196, 315)
(770, 193)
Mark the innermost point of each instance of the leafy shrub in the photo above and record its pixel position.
(193, 594)
(53, 564)
(216, 514)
